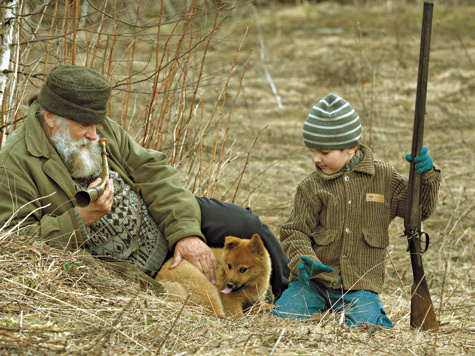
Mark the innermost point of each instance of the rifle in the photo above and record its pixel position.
(422, 311)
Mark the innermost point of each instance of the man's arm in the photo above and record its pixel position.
(173, 206)
(147, 171)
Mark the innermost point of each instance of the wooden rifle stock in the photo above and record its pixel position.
(422, 310)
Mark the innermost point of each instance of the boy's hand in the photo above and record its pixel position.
(309, 268)
(423, 160)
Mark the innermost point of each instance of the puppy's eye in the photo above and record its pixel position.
(242, 270)
(229, 266)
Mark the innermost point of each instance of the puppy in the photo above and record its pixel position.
(242, 279)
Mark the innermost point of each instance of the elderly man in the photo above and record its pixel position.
(144, 215)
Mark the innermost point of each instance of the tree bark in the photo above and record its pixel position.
(6, 39)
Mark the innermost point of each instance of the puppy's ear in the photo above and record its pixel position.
(256, 246)
(231, 242)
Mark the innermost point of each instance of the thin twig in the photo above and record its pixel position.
(277, 342)
(173, 325)
(263, 58)
(458, 284)
(442, 289)
(247, 162)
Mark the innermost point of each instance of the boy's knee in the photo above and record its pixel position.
(287, 307)
(367, 312)
(297, 302)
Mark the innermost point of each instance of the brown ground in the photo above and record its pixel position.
(369, 56)
(372, 63)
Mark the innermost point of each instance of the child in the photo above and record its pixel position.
(337, 233)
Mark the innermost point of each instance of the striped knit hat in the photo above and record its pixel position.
(332, 124)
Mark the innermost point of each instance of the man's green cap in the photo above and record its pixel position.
(76, 93)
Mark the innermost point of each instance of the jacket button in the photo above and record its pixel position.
(344, 258)
(347, 178)
(350, 202)
(347, 230)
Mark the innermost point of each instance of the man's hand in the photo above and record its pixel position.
(102, 206)
(193, 249)
(309, 268)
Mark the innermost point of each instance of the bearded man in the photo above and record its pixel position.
(143, 217)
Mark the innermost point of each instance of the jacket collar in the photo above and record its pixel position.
(37, 143)
(365, 165)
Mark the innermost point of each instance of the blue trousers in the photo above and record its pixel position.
(299, 302)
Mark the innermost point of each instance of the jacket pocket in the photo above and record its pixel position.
(324, 237)
(377, 239)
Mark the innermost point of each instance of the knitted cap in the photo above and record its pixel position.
(332, 124)
(76, 93)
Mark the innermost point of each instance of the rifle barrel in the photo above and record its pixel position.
(412, 221)
(422, 310)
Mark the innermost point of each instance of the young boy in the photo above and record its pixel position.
(337, 233)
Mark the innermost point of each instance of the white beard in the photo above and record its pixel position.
(81, 162)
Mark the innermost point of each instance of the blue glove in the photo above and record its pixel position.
(423, 160)
(309, 268)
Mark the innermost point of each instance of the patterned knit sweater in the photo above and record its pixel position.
(342, 220)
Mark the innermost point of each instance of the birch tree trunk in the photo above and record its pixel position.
(6, 38)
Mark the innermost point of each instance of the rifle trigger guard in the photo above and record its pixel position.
(427, 241)
(418, 235)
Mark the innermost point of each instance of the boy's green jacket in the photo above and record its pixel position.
(37, 191)
(342, 220)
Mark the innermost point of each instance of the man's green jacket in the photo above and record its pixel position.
(37, 191)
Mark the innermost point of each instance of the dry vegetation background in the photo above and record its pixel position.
(53, 302)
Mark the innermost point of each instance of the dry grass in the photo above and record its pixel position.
(52, 302)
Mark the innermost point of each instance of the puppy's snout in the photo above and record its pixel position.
(230, 285)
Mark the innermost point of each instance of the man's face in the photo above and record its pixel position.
(77, 129)
(78, 147)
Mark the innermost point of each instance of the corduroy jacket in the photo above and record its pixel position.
(342, 220)
(37, 191)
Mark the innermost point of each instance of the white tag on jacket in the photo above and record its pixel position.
(378, 198)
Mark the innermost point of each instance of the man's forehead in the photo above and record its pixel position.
(73, 123)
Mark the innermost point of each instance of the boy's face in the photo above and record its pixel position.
(331, 161)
